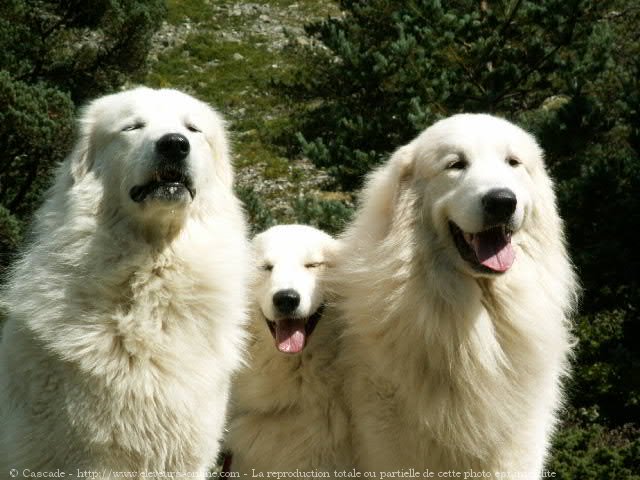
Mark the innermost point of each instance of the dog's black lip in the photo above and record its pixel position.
(309, 326)
(139, 193)
(465, 251)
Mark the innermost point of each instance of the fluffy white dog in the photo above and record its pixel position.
(126, 312)
(456, 287)
(287, 408)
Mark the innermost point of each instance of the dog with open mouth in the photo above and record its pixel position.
(286, 406)
(456, 289)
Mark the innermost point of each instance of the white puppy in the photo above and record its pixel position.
(456, 288)
(126, 310)
(287, 409)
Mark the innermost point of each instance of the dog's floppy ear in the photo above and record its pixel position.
(80, 159)
(382, 190)
(217, 139)
(331, 251)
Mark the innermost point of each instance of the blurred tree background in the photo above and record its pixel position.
(376, 74)
(54, 55)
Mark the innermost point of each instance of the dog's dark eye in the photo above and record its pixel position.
(192, 128)
(513, 161)
(133, 126)
(267, 267)
(313, 265)
(460, 163)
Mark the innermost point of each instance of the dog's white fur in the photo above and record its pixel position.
(449, 368)
(287, 410)
(125, 319)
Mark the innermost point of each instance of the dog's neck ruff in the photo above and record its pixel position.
(138, 278)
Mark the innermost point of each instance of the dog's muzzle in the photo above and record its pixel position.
(170, 181)
(490, 250)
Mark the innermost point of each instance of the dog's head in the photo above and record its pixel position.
(288, 291)
(155, 152)
(480, 183)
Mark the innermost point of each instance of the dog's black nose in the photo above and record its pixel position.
(286, 301)
(498, 204)
(173, 146)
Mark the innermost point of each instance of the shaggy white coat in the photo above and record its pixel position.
(450, 368)
(125, 320)
(287, 411)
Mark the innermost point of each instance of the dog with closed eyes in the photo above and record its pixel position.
(126, 310)
(287, 411)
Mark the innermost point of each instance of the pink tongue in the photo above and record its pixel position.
(494, 250)
(290, 335)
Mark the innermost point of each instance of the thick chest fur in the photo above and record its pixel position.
(475, 395)
(133, 372)
(288, 412)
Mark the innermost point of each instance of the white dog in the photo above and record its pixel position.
(126, 312)
(287, 409)
(456, 287)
